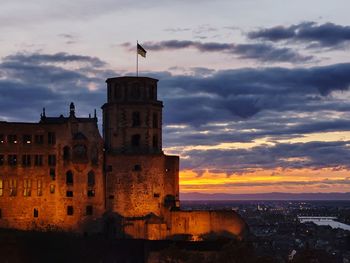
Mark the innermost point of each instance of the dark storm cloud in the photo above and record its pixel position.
(324, 35)
(30, 81)
(312, 155)
(258, 51)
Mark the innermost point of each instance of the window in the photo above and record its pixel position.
(155, 141)
(12, 159)
(137, 167)
(27, 139)
(53, 173)
(2, 159)
(2, 139)
(39, 139)
(155, 120)
(38, 160)
(51, 160)
(12, 138)
(91, 193)
(0, 213)
(69, 178)
(27, 187)
(39, 188)
(1, 187)
(135, 140)
(136, 119)
(66, 153)
(79, 152)
(156, 195)
(91, 178)
(26, 160)
(89, 210)
(36, 212)
(151, 92)
(13, 187)
(70, 210)
(69, 193)
(51, 138)
(52, 188)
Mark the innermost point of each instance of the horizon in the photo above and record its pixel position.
(252, 104)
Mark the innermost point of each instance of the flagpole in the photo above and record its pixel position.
(137, 59)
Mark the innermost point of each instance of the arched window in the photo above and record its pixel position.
(135, 140)
(66, 153)
(79, 152)
(91, 178)
(69, 178)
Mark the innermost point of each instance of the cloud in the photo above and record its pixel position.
(258, 51)
(313, 34)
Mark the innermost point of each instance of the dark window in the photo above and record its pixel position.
(155, 120)
(53, 173)
(2, 138)
(109, 168)
(66, 153)
(156, 195)
(36, 212)
(137, 167)
(27, 139)
(135, 92)
(26, 160)
(69, 193)
(155, 141)
(89, 210)
(79, 152)
(135, 140)
(51, 138)
(39, 139)
(91, 193)
(69, 178)
(111, 197)
(51, 160)
(70, 210)
(2, 159)
(91, 178)
(12, 138)
(136, 121)
(38, 160)
(0, 213)
(151, 92)
(12, 159)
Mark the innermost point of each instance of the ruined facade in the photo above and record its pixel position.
(60, 174)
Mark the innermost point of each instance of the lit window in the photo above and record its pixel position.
(39, 188)
(13, 187)
(27, 187)
(2, 138)
(52, 188)
(12, 138)
(1, 187)
(27, 139)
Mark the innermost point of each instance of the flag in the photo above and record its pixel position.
(141, 51)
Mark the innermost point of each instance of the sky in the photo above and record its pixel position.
(256, 92)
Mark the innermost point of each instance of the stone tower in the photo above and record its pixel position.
(140, 179)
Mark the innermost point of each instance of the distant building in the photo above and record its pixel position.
(60, 174)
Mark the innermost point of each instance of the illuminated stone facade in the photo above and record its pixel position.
(60, 174)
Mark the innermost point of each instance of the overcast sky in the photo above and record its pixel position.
(256, 92)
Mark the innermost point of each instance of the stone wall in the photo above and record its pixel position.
(42, 193)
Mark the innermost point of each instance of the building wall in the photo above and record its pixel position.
(46, 184)
(139, 184)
